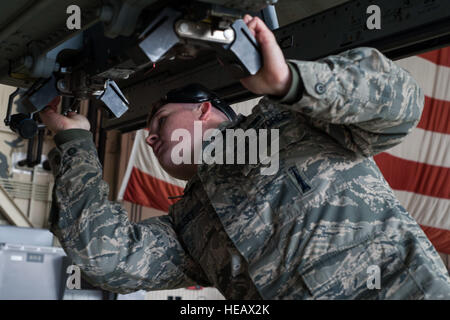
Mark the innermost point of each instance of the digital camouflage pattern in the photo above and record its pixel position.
(310, 231)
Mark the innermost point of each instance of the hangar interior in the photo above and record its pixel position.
(35, 42)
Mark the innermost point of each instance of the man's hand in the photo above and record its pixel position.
(274, 77)
(57, 122)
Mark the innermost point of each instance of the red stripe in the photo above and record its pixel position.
(414, 176)
(440, 56)
(435, 116)
(440, 238)
(149, 191)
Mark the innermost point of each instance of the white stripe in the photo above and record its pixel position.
(433, 79)
(428, 211)
(128, 172)
(424, 146)
(245, 107)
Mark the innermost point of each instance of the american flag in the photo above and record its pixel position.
(419, 168)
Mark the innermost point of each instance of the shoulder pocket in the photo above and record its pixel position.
(300, 181)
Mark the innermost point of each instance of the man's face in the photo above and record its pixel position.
(168, 118)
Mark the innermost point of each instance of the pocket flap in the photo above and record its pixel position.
(344, 273)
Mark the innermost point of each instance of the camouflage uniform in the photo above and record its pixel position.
(310, 231)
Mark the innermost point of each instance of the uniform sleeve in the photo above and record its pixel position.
(360, 98)
(112, 252)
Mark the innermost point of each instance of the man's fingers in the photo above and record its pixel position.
(57, 122)
(269, 47)
(47, 115)
(50, 117)
(273, 77)
(51, 106)
(55, 102)
(46, 111)
(247, 18)
(265, 38)
(259, 27)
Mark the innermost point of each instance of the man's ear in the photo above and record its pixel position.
(206, 110)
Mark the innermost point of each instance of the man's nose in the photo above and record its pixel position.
(151, 139)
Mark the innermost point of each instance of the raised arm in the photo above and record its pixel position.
(359, 97)
(96, 234)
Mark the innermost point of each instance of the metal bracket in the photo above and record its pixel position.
(34, 155)
(44, 91)
(242, 57)
(203, 31)
(42, 66)
(114, 99)
(10, 104)
(236, 46)
(38, 96)
(419, 26)
(159, 37)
